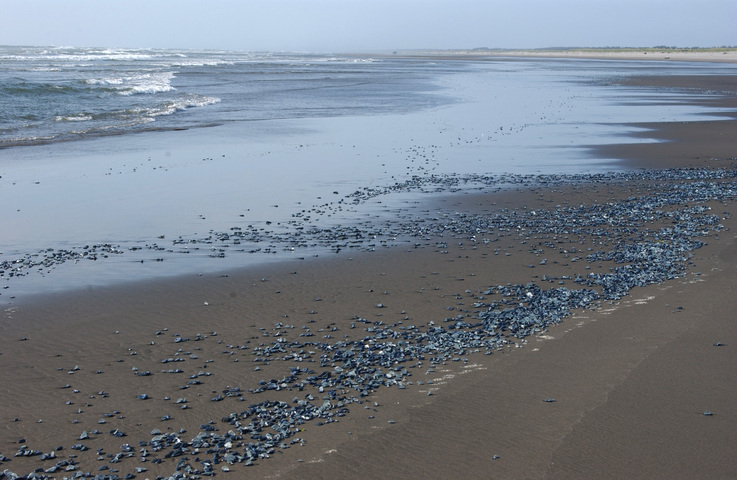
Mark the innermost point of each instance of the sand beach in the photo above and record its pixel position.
(697, 55)
(151, 379)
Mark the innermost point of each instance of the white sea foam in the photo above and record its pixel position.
(27, 140)
(100, 129)
(140, 83)
(73, 118)
(183, 103)
(201, 62)
(345, 60)
(73, 60)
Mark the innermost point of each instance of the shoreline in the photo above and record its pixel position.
(729, 56)
(603, 367)
(721, 57)
(184, 171)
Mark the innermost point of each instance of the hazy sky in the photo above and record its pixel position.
(367, 25)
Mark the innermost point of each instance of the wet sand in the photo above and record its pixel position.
(631, 380)
(715, 56)
(729, 56)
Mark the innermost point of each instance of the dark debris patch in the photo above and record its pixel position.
(647, 240)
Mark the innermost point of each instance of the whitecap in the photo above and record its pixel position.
(73, 118)
(139, 83)
(179, 104)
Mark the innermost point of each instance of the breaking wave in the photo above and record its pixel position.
(140, 83)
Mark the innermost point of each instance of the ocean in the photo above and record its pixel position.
(128, 164)
(65, 94)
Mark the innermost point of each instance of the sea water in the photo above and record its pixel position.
(64, 94)
(154, 157)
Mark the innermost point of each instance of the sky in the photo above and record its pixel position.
(367, 25)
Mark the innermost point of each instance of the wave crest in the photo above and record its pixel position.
(182, 103)
(141, 83)
(73, 118)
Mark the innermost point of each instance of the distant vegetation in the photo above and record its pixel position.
(658, 49)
